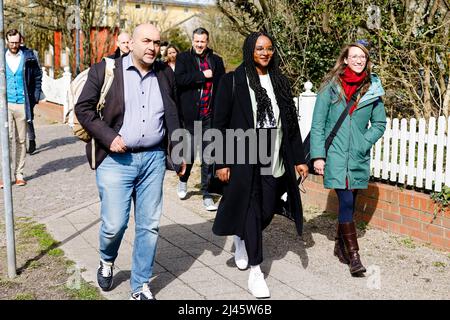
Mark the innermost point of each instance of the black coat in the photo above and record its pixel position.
(234, 111)
(32, 82)
(116, 54)
(106, 130)
(190, 81)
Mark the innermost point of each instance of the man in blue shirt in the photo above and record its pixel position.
(23, 88)
(131, 139)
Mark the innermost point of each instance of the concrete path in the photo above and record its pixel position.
(191, 262)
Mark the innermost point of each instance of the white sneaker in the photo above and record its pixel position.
(240, 255)
(182, 190)
(209, 205)
(144, 294)
(257, 285)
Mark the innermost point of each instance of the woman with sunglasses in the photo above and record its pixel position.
(346, 164)
(257, 99)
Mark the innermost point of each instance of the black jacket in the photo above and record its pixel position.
(116, 54)
(33, 81)
(106, 130)
(234, 111)
(190, 81)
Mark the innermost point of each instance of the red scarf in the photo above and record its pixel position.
(350, 82)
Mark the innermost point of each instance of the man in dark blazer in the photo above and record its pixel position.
(128, 151)
(197, 73)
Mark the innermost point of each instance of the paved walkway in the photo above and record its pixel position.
(192, 263)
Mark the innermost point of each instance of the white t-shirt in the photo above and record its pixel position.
(13, 60)
(277, 164)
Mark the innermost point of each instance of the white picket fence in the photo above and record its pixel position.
(411, 152)
(55, 90)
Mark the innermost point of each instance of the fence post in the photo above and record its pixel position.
(305, 105)
(67, 78)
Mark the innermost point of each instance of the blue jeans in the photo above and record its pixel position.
(122, 177)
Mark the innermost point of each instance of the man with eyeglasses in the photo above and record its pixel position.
(131, 138)
(197, 72)
(23, 89)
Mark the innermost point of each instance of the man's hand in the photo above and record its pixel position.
(319, 166)
(118, 145)
(302, 170)
(208, 73)
(223, 174)
(183, 169)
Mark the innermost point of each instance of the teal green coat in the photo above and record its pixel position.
(349, 154)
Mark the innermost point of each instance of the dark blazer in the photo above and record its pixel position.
(234, 111)
(190, 81)
(116, 54)
(33, 81)
(106, 130)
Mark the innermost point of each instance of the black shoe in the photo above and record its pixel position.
(31, 147)
(105, 275)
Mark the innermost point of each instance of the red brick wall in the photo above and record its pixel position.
(389, 208)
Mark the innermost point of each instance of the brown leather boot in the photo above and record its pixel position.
(348, 230)
(339, 247)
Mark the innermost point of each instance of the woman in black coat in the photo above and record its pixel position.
(257, 99)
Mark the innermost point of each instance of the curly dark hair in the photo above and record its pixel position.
(280, 85)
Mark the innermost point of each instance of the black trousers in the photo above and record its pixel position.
(264, 202)
(205, 168)
(30, 131)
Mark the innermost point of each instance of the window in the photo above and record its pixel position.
(163, 8)
(186, 10)
(137, 6)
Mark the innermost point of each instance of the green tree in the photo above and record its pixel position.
(409, 43)
(224, 39)
(177, 37)
(38, 19)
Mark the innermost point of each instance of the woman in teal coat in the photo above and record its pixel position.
(346, 165)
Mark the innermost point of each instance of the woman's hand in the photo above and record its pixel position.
(223, 174)
(302, 170)
(319, 166)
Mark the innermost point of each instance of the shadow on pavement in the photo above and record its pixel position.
(55, 143)
(66, 164)
(54, 245)
(325, 223)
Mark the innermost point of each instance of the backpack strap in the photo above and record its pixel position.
(107, 82)
(341, 119)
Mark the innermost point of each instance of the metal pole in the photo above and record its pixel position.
(77, 39)
(9, 218)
